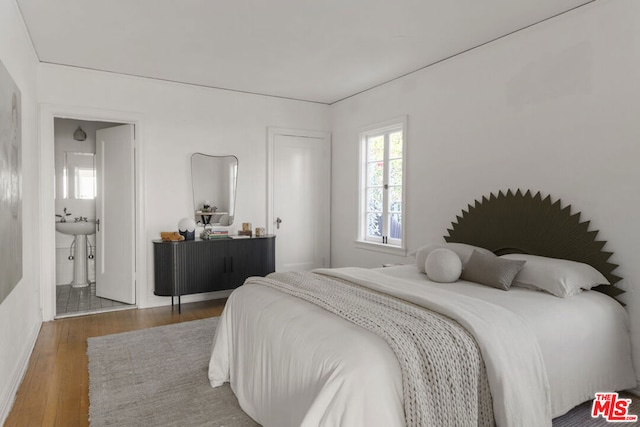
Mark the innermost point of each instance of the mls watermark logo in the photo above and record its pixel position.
(612, 408)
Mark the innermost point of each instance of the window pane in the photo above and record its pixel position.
(382, 189)
(395, 172)
(375, 171)
(395, 150)
(395, 226)
(375, 148)
(395, 199)
(374, 225)
(85, 184)
(374, 200)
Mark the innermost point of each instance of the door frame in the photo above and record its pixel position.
(272, 132)
(47, 114)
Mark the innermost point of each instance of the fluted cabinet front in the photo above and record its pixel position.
(196, 266)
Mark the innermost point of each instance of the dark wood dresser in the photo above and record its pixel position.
(196, 266)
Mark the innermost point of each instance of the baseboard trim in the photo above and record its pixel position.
(6, 401)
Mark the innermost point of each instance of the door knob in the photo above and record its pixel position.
(98, 224)
(278, 222)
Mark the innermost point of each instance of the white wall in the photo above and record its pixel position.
(178, 120)
(553, 108)
(20, 311)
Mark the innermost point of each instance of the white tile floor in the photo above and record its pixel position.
(76, 301)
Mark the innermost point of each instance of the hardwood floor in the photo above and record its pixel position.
(55, 389)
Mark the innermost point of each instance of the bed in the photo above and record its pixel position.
(323, 347)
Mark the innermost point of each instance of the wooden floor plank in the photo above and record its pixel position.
(55, 388)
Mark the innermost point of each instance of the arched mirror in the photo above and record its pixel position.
(214, 180)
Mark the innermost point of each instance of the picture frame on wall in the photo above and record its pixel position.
(10, 183)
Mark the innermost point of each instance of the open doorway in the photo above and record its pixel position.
(95, 216)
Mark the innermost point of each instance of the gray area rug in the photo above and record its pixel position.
(158, 377)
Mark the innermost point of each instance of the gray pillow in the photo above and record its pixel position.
(491, 271)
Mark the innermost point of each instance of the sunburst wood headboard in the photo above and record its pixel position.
(526, 223)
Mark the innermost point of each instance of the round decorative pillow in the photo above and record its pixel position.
(443, 265)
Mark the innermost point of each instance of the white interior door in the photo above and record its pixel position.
(299, 213)
(115, 239)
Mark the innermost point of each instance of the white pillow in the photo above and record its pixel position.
(463, 250)
(559, 277)
(443, 265)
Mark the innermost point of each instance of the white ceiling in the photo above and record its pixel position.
(321, 51)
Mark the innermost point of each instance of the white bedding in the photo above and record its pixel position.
(584, 338)
(292, 363)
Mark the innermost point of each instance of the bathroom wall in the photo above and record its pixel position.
(64, 142)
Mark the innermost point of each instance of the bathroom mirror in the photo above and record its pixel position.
(79, 176)
(214, 180)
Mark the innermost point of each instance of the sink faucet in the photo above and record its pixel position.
(63, 218)
(80, 219)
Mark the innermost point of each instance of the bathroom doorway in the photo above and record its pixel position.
(94, 203)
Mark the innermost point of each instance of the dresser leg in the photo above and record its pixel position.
(179, 306)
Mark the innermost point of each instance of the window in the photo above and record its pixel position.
(382, 185)
(85, 183)
(79, 176)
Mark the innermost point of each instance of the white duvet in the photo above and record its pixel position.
(292, 363)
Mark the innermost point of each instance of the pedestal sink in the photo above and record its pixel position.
(79, 229)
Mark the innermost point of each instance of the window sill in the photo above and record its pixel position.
(380, 247)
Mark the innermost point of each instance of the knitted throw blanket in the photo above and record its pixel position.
(443, 375)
